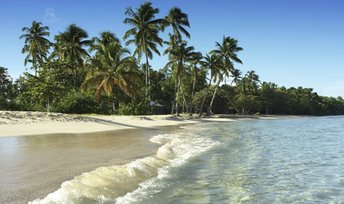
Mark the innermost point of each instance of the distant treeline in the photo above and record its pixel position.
(247, 97)
(78, 74)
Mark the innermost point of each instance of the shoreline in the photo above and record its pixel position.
(24, 123)
(35, 166)
(88, 141)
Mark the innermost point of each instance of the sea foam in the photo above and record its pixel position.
(129, 182)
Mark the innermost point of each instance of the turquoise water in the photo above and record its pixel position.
(295, 160)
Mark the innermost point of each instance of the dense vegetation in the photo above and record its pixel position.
(79, 74)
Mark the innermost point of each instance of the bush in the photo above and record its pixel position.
(76, 102)
(133, 108)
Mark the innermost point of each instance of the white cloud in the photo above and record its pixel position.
(50, 15)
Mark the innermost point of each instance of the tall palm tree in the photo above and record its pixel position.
(111, 66)
(36, 44)
(227, 52)
(178, 56)
(213, 64)
(196, 59)
(177, 19)
(145, 34)
(71, 46)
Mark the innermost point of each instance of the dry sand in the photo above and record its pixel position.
(17, 123)
(13, 123)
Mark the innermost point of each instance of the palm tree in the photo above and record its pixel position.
(70, 47)
(36, 45)
(145, 32)
(211, 63)
(236, 76)
(178, 56)
(105, 39)
(112, 67)
(227, 53)
(253, 80)
(177, 19)
(196, 58)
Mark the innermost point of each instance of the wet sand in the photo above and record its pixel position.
(33, 166)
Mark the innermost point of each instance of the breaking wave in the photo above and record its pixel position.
(127, 183)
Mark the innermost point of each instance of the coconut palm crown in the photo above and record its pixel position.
(36, 44)
(145, 34)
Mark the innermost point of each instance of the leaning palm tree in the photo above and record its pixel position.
(227, 53)
(177, 19)
(110, 67)
(214, 65)
(36, 44)
(178, 56)
(145, 34)
(70, 47)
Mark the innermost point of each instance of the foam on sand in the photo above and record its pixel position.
(125, 183)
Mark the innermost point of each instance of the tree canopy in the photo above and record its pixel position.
(78, 73)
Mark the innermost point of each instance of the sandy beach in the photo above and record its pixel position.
(39, 151)
(15, 123)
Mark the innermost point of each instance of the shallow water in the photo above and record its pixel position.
(259, 161)
(295, 160)
(33, 166)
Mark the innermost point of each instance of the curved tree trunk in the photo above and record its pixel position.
(212, 99)
(203, 100)
(192, 95)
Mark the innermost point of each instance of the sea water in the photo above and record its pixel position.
(290, 160)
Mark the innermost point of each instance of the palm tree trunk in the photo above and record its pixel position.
(203, 100)
(185, 104)
(147, 79)
(192, 95)
(175, 93)
(212, 99)
(113, 107)
(177, 96)
(48, 105)
(172, 107)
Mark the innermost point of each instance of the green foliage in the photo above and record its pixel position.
(36, 45)
(6, 89)
(76, 102)
(245, 104)
(112, 82)
(198, 97)
(133, 108)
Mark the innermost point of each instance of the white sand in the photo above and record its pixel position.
(17, 123)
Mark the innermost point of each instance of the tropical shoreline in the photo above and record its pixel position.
(22, 123)
(129, 135)
(122, 139)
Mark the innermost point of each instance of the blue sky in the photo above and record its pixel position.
(289, 42)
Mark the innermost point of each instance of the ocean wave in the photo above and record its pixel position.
(127, 183)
